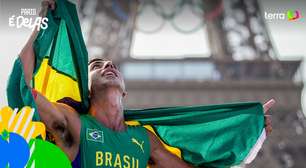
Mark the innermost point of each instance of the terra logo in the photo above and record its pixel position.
(291, 15)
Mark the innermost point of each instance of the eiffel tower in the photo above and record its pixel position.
(245, 69)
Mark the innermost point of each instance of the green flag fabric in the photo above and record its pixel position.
(211, 136)
(61, 62)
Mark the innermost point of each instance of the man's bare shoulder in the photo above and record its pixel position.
(72, 117)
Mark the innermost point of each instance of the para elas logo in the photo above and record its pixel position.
(94, 135)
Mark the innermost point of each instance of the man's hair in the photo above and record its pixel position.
(97, 59)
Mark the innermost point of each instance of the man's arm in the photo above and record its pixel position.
(61, 120)
(27, 55)
(161, 157)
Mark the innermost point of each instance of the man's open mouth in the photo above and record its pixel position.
(109, 72)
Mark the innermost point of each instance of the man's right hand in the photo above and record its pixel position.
(45, 5)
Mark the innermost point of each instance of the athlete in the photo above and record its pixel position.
(101, 138)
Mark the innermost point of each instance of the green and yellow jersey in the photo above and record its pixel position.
(103, 147)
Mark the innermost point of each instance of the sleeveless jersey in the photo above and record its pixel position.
(103, 147)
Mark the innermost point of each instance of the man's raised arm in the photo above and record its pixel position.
(61, 120)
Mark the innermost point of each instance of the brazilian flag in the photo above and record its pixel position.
(210, 136)
(61, 62)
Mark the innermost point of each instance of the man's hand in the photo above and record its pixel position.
(268, 121)
(45, 5)
(27, 53)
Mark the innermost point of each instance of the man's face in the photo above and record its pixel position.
(104, 74)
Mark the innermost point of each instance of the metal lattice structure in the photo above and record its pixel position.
(109, 28)
(243, 31)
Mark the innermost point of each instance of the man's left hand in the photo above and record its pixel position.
(268, 121)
